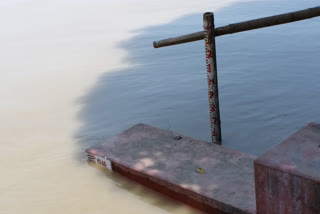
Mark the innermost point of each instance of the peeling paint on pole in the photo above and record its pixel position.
(210, 46)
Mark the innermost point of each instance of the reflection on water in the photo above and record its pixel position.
(268, 83)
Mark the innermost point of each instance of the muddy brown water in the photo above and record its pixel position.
(76, 72)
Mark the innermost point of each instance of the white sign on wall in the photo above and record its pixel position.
(100, 160)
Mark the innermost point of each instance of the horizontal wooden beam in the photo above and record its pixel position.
(268, 21)
(179, 40)
(244, 26)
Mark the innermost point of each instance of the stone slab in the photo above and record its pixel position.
(287, 177)
(167, 162)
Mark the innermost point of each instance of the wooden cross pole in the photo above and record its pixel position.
(209, 35)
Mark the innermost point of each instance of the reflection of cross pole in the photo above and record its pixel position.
(211, 60)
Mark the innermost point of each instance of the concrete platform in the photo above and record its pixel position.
(287, 177)
(167, 162)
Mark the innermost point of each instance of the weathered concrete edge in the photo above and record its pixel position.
(171, 190)
(274, 167)
(277, 167)
(270, 196)
(162, 188)
(188, 196)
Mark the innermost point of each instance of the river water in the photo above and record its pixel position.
(76, 72)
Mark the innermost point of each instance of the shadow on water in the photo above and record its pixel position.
(268, 81)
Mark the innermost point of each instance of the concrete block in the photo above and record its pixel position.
(287, 178)
(168, 162)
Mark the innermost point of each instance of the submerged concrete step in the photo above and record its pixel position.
(169, 163)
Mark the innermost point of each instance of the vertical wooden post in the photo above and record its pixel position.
(211, 60)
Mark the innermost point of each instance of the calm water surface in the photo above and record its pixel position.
(268, 81)
(69, 80)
